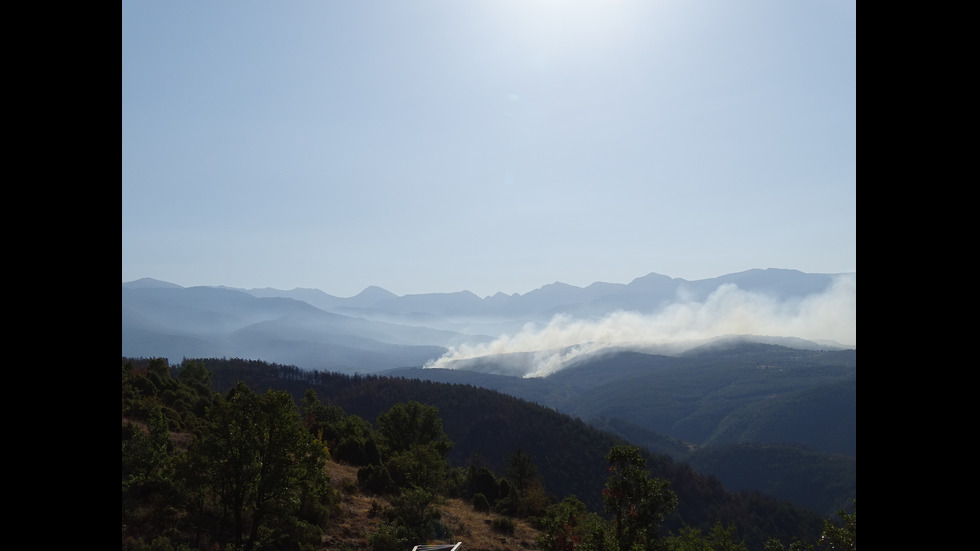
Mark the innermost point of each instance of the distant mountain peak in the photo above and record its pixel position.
(651, 277)
(150, 283)
(556, 286)
(375, 292)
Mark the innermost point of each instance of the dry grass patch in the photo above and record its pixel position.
(358, 519)
(475, 529)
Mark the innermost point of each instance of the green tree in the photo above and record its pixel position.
(482, 481)
(414, 446)
(196, 377)
(357, 444)
(534, 500)
(773, 544)
(158, 371)
(412, 423)
(265, 471)
(323, 420)
(637, 503)
(147, 463)
(419, 466)
(151, 495)
(522, 492)
(349, 438)
(521, 470)
(390, 537)
(568, 525)
(413, 518)
(718, 538)
(195, 394)
(843, 536)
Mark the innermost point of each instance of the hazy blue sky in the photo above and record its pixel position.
(488, 145)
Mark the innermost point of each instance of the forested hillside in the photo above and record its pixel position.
(412, 441)
(810, 479)
(729, 391)
(797, 405)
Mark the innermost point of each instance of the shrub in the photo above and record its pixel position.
(480, 503)
(503, 525)
(375, 479)
(389, 537)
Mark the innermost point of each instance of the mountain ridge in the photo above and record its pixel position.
(746, 383)
(375, 323)
(637, 281)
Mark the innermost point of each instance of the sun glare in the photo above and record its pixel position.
(568, 22)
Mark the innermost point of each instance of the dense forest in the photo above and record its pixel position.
(231, 454)
(760, 417)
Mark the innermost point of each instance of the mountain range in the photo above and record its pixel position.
(705, 398)
(377, 330)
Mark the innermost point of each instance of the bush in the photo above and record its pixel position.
(503, 525)
(375, 479)
(480, 503)
(389, 537)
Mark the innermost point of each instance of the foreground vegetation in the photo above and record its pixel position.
(235, 469)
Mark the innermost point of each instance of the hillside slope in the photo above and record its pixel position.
(487, 426)
(729, 391)
(358, 519)
(175, 323)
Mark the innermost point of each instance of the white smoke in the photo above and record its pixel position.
(827, 316)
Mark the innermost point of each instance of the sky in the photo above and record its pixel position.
(485, 145)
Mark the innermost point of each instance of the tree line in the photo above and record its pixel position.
(238, 469)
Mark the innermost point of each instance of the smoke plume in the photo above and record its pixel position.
(827, 316)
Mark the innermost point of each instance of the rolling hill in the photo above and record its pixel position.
(746, 398)
(487, 427)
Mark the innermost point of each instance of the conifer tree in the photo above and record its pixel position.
(638, 503)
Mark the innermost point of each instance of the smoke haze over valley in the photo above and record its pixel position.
(827, 317)
(674, 365)
(528, 335)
